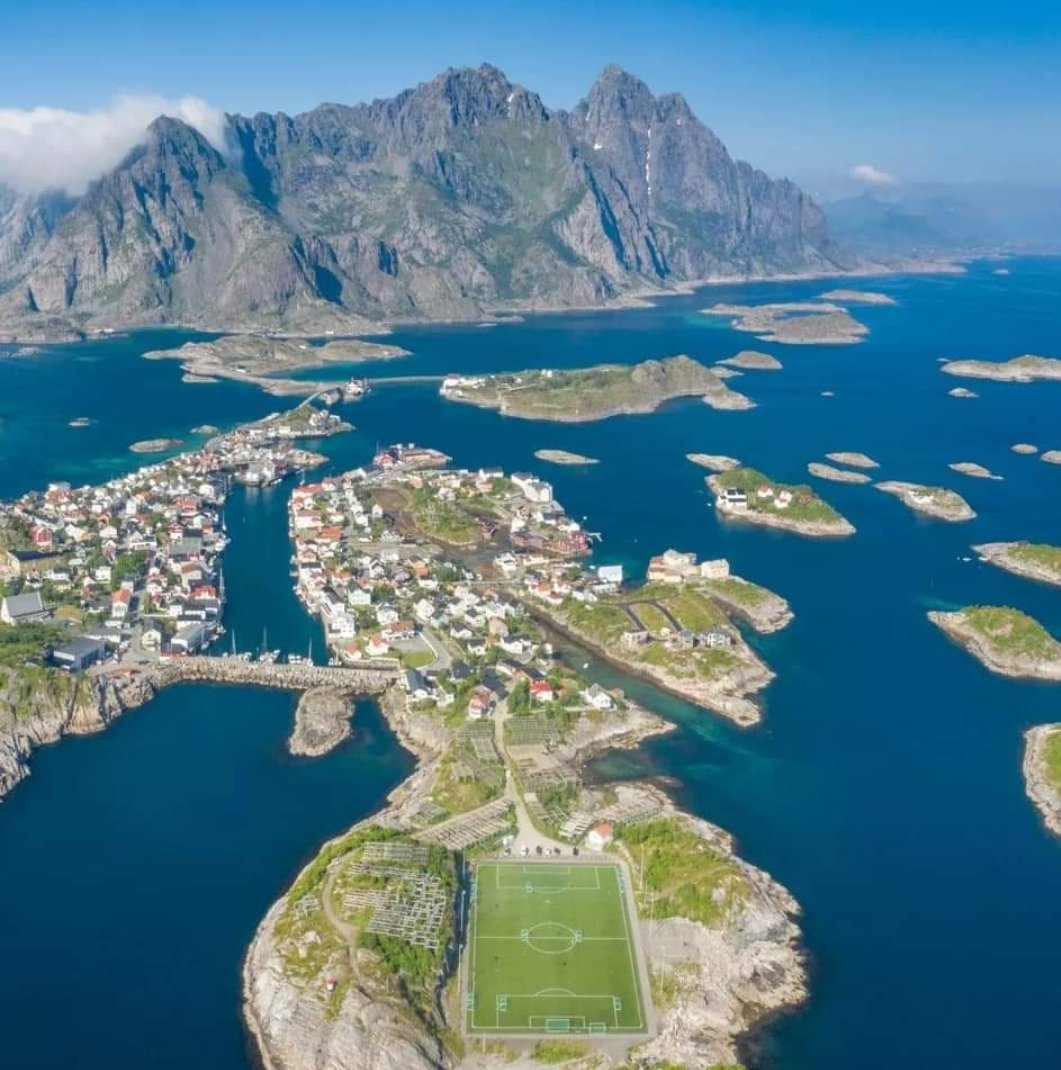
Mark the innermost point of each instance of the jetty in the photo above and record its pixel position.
(372, 678)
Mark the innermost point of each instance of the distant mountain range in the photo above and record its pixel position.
(463, 195)
(940, 219)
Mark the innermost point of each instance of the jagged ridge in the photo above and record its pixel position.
(463, 194)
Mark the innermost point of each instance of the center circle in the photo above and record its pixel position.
(551, 938)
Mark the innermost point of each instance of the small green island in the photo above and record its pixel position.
(937, 502)
(751, 360)
(747, 495)
(1024, 369)
(585, 394)
(264, 360)
(794, 322)
(1034, 561)
(1004, 640)
(1042, 772)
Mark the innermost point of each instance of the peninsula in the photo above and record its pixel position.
(1005, 640)
(937, 502)
(716, 462)
(795, 322)
(747, 495)
(264, 360)
(564, 457)
(1025, 369)
(1042, 772)
(836, 475)
(1034, 561)
(582, 395)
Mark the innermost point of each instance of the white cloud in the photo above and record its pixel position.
(50, 148)
(873, 176)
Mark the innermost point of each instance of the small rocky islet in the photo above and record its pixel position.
(937, 502)
(1003, 639)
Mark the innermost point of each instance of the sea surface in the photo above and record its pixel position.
(883, 787)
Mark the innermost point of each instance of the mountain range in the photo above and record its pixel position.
(462, 196)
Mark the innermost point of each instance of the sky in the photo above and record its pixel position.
(906, 91)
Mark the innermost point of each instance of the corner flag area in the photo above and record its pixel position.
(551, 950)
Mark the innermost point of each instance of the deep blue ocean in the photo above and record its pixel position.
(883, 787)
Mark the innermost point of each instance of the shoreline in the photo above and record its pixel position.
(1001, 555)
(639, 297)
(1043, 795)
(955, 627)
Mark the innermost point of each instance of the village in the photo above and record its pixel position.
(130, 569)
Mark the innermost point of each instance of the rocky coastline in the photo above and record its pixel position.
(1024, 559)
(764, 610)
(1040, 786)
(836, 475)
(936, 502)
(991, 643)
(564, 457)
(1023, 369)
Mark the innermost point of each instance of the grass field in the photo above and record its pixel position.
(551, 951)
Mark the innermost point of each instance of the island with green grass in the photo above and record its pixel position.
(1024, 369)
(1034, 561)
(266, 360)
(586, 394)
(1042, 772)
(1005, 640)
(794, 322)
(936, 502)
(749, 496)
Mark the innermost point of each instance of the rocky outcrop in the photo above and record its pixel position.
(74, 706)
(461, 195)
(322, 722)
(1041, 786)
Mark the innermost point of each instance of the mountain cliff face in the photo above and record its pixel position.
(461, 195)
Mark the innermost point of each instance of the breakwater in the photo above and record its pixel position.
(372, 678)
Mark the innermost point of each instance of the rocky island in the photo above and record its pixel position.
(716, 462)
(836, 475)
(564, 457)
(962, 392)
(156, 445)
(1034, 561)
(1025, 369)
(971, 468)
(750, 360)
(322, 722)
(795, 322)
(582, 395)
(1005, 640)
(1042, 772)
(743, 494)
(937, 502)
(1024, 448)
(858, 297)
(1051, 456)
(264, 359)
(853, 460)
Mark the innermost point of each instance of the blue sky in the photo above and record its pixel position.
(929, 90)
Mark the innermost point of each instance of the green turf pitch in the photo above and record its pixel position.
(551, 951)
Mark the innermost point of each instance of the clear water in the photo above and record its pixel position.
(883, 787)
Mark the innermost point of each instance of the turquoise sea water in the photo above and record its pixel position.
(883, 787)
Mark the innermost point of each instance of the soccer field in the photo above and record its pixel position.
(551, 951)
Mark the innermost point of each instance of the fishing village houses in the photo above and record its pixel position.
(132, 566)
